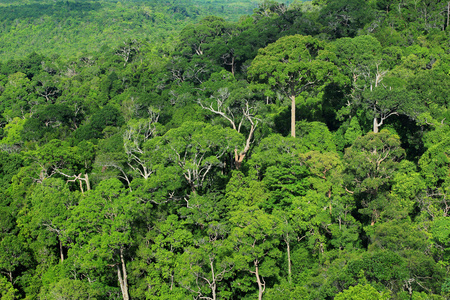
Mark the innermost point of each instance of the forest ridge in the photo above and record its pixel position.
(188, 150)
(71, 28)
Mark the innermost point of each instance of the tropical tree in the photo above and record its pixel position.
(100, 233)
(295, 66)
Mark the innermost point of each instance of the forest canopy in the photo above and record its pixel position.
(224, 150)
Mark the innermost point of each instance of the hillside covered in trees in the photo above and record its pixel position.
(300, 151)
(76, 27)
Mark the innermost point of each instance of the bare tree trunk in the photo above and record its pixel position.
(289, 258)
(293, 115)
(213, 284)
(239, 157)
(123, 281)
(375, 125)
(61, 250)
(232, 66)
(260, 281)
(86, 179)
(448, 13)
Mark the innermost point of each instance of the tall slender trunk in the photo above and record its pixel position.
(289, 258)
(61, 250)
(123, 281)
(376, 125)
(213, 283)
(232, 66)
(448, 12)
(260, 281)
(86, 179)
(292, 115)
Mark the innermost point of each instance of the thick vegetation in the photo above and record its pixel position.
(76, 27)
(301, 152)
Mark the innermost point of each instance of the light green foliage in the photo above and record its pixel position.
(100, 232)
(46, 221)
(245, 190)
(59, 158)
(285, 291)
(73, 289)
(253, 236)
(135, 138)
(374, 155)
(309, 213)
(440, 231)
(18, 98)
(69, 27)
(332, 203)
(165, 244)
(315, 136)
(203, 267)
(196, 148)
(426, 296)
(408, 184)
(434, 162)
(13, 131)
(7, 291)
(362, 292)
(275, 149)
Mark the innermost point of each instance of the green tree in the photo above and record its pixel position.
(205, 265)
(51, 205)
(100, 233)
(59, 158)
(7, 291)
(362, 292)
(18, 98)
(370, 162)
(237, 105)
(159, 258)
(136, 134)
(345, 18)
(254, 240)
(295, 66)
(196, 148)
(434, 169)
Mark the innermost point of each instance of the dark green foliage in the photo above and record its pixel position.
(345, 18)
(30, 65)
(51, 121)
(108, 116)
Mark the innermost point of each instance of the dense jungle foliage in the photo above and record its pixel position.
(73, 28)
(300, 151)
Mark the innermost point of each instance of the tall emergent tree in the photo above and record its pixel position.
(294, 65)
